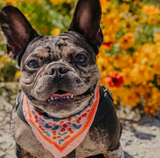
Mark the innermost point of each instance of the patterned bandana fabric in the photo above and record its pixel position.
(61, 136)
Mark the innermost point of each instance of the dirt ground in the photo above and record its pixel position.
(140, 139)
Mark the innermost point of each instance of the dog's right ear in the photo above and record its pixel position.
(17, 30)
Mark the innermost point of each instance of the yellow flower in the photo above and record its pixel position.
(55, 2)
(32, 1)
(18, 74)
(156, 67)
(111, 24)
(156, 94)
(55, 31)
(158, 79)
(141, 73)
(117, 92)
(124, 7)
(27, 16)
(5, 58)
(34, 26)
(153, 19)
(126, 0)
(126, 76)
(122, 61)
(127, 40)
(156, 38)
(150, 10)
(104, 65)
(151, 106)
(10, 2)
(130, 97)
(105, 4)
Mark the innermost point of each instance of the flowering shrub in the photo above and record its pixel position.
(129, 58)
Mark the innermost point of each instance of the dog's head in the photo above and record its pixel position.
(59, 74)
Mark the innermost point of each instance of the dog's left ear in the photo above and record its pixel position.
(86, 21)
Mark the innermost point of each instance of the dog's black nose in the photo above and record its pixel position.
(56, 70)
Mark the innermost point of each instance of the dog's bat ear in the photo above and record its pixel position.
(17, 30)
(86, 21)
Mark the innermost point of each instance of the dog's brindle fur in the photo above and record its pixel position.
(64, 63)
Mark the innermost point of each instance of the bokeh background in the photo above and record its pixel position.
(129, 58)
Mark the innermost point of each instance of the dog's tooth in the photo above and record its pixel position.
(51, 98)
(64, 97)
(67, 97)
(72, 96)
(56, 98)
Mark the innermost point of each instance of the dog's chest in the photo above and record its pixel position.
(93, 144)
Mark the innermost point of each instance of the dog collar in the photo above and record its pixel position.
(61, 136)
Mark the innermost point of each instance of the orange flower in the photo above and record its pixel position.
(150, 10)
(146, 109)
(153, 20)
(44, 30)
(130, 97)
(127, 40)
(157, 38)
(105, 5)
(5, 58)
(124, 7)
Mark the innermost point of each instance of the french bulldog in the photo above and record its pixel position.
(59, 76)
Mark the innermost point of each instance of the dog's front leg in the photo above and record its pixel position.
(118, 153)
(21, 153)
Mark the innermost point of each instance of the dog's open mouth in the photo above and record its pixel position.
(60, 96)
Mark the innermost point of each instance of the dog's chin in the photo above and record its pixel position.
(64, 104)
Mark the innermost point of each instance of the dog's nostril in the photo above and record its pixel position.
(52, 71)
(62, 70)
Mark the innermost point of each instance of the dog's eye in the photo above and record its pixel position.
(80, 59)
(33, 64)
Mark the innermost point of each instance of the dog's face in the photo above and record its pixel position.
(59, 74)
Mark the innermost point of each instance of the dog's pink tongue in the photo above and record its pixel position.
(61, 95)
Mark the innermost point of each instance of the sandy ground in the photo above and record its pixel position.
(140, 139)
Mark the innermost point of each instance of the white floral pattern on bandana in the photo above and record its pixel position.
(61, 136)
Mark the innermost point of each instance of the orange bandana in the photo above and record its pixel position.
(61, 136)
